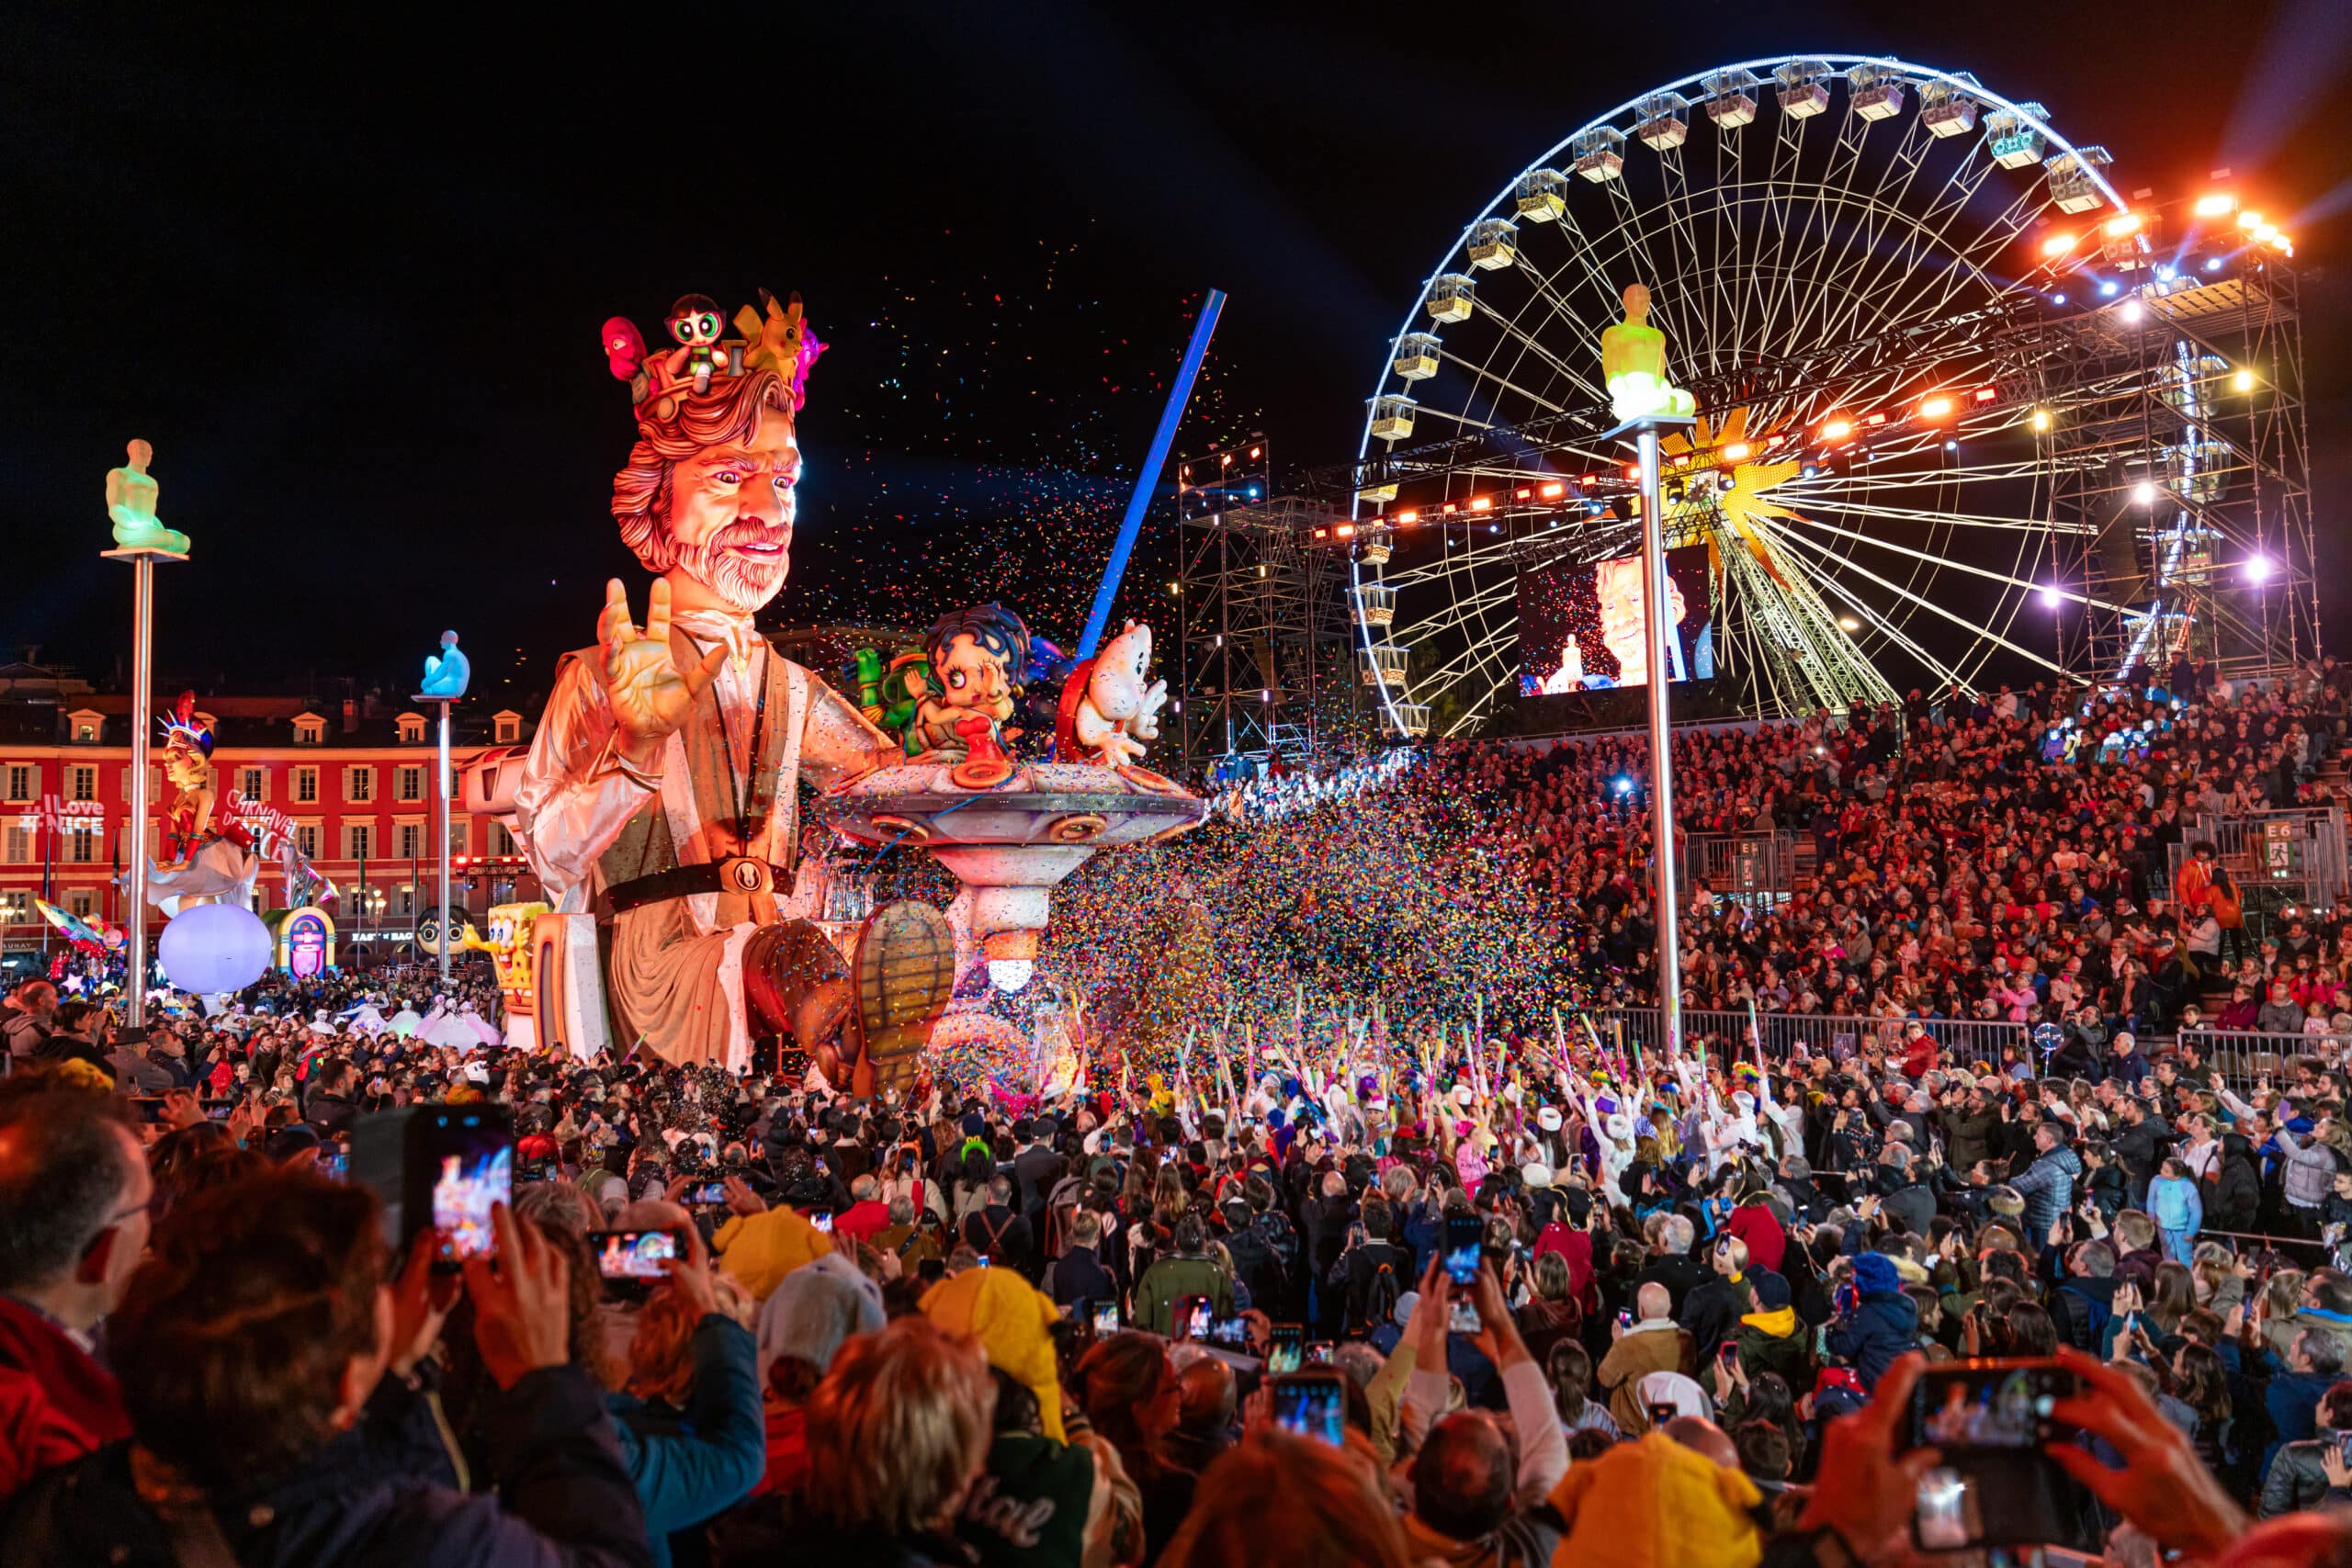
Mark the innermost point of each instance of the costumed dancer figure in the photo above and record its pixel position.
(660, 789)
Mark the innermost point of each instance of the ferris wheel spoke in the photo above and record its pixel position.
(1528, 345)
(1894, 633)
(1953, 519)
(1917, 601)
(2008, 580)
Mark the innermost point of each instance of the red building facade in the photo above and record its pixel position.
(354, 782)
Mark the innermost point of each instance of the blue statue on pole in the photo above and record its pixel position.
(446, 674)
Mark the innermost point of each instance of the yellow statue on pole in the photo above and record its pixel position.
(1633, 365)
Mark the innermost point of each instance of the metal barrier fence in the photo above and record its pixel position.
(1742, 867)
(2241, 1057)
(1725, 1034)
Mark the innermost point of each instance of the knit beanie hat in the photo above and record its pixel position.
(1654, 1504)
(814, 1310)
(1875, 1275)
(1012, 1319)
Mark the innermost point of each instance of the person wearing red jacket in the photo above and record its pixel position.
(75, 1193)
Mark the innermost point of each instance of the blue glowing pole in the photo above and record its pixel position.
(1178, 396)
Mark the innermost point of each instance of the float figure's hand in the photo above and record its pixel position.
(649, 692)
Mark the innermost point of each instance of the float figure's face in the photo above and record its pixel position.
(969, 676)
(731, 511)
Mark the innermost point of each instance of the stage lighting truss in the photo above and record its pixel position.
(1904, 439)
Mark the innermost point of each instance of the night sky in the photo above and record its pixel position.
(348, 281)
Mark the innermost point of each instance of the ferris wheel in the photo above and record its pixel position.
(1846, 255)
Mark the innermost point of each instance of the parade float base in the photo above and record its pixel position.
(1036, 816)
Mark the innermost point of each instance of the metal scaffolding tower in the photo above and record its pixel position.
(1261, 589)
(2181, 448)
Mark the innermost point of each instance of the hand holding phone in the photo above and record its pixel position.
(1465, 1235)
(634, 1255)
(1312, 1405)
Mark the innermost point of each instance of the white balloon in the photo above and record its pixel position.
(214, 947)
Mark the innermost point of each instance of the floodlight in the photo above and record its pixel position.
(2257, 568)
(1936, 407)
(2215, 204)
(2123, 226)
(1837, 430)
(2041, 418)
(2057, 245)
(2144, 494)
(1735, 451)
(2243, 381)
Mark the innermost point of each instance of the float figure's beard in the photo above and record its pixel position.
(744, 563)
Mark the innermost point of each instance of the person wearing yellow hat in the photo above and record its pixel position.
(1033, 1501)
(1013, 1322)
(760, 1246)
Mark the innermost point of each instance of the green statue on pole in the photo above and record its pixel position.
(1633, 365)
(131, 502)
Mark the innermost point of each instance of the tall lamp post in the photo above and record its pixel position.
(1633, 364)
(445, 674)
(143, 540)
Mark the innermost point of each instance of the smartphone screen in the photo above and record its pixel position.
(462, 1157)
(709, 1192)
(1461, 1316)
(148, 1107)
(1286, 1350)
(824, 1221)
(634, 1255)
(220, 1111)
(1321, 1353)
(1192, 1318)
(1229, 1332)
(1465, 1234)
(1104, 1318)
(1313, 1405)
(1995, 1487)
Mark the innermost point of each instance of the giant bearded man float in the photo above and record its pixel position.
(661, 788)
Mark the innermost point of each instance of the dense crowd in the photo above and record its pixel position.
(1696, 1298)
(1390, 1258)
(2006, 857)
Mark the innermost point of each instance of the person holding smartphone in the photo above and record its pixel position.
(1464, 1486)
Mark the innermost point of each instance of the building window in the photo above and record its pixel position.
(16, 908)
(357, 839)
(21, 846)
(499, 840)
(154, 782)
(306, 838)
(83, 843)
(412, 729)
(86, 733)
(86, 784)
(408, 783)
(404, 902)
(253, 782)
(359, 784)
(20, 781)
(411, 839)
(457, 836)
(306, 784)
(81, 903)
(310, 729)
(506, 728)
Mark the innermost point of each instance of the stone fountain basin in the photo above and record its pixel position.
(1055, 814)
(1010, 844)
